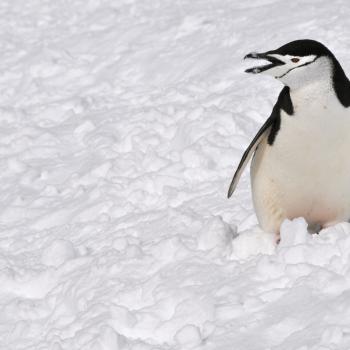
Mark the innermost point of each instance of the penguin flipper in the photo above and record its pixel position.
(263, 132)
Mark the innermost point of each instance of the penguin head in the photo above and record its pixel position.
(297, 63)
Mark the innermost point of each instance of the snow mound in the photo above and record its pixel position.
(253, 242)
(58, 252)
(122, 123)
(188, 337)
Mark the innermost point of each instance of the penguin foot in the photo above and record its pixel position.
(277, 238)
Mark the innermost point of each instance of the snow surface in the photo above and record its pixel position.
(121, 125)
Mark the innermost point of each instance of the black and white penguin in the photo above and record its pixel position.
(301, 162)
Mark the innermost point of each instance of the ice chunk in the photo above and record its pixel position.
(188, 336)
(293, 232)
(253, 242)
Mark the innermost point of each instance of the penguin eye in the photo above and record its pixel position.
(295, 60)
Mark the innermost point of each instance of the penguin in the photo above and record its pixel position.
(301, 155)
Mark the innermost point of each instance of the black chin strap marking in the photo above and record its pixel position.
(305, 64)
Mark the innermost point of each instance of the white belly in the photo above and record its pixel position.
(306, 172)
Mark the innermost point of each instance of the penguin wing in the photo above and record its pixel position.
(263, 132)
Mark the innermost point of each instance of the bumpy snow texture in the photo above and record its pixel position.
(121, 125)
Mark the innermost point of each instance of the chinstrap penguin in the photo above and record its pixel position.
(301, 155)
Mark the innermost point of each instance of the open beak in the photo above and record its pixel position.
(264, 56)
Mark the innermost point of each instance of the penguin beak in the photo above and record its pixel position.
(264, 56)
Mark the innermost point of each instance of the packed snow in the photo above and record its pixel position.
(122, 123)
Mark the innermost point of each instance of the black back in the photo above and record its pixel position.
(284, 102)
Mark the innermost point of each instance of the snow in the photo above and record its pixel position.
(188, 337)
(58, 252)
(121, 125)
